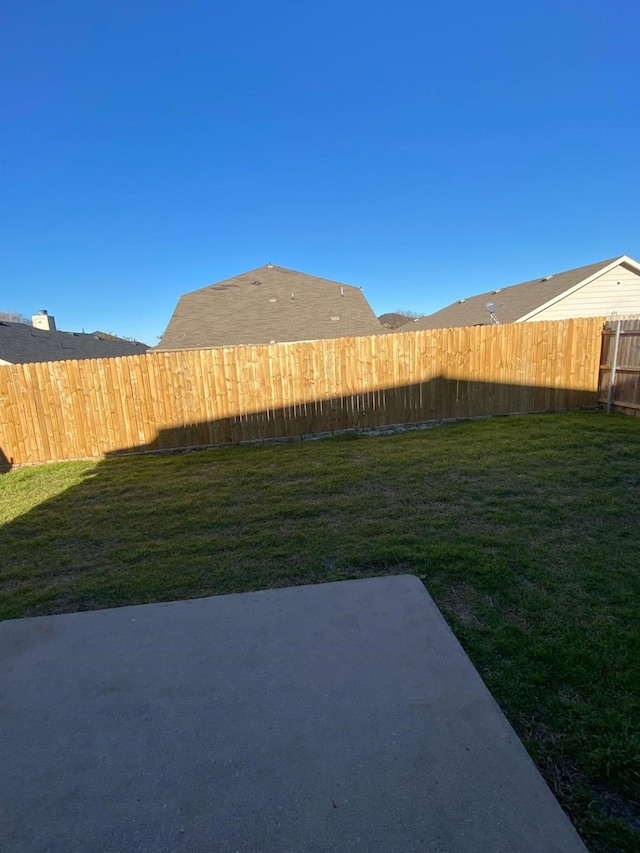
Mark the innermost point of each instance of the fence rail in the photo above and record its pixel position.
(89, 409)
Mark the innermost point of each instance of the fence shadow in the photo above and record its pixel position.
(438, 400)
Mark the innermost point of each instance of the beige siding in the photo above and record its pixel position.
(614, 292)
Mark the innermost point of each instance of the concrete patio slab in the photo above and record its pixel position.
(338, 717)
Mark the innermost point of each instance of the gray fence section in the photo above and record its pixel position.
(619, 385)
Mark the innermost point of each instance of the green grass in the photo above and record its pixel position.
(524, 530)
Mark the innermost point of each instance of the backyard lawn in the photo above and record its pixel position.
(526, 532)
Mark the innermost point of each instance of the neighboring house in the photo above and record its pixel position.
(393, 320)
(21, 343)
(603, 289)
(270, 304)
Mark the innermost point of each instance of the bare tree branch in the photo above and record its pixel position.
(13, 317)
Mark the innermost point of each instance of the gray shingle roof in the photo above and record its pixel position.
(512, 302)
(268, 304)
(21, 344)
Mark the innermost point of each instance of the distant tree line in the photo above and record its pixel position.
(13, 317)
(111, 336)
(411, 315)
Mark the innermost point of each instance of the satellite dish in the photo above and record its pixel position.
(491, 308)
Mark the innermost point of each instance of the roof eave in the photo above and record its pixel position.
(623, 259)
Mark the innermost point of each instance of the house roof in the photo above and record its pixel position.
(512, 303)
(393, 320)
(265, 305)
(21, 343)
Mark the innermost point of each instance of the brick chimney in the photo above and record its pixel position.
(42, 320)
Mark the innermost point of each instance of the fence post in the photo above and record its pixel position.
(614, 366)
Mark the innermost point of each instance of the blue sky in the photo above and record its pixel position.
(423, 151)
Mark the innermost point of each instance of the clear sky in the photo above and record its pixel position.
(424, 151)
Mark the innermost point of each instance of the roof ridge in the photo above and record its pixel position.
(271, 268)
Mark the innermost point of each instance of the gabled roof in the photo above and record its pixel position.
(516, 302)
(265, 305)
(21, 344)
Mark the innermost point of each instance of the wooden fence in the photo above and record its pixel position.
(89, 409)
(619, 387)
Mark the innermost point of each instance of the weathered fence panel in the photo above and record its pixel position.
(88, 409)
(619, 385)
